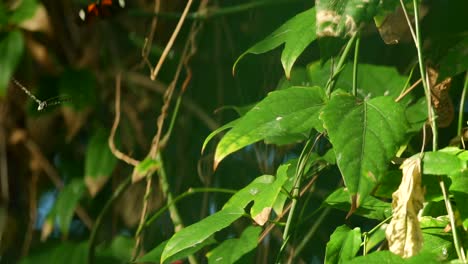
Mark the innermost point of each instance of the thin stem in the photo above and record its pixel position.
(456, 240)
(186, 194)
(339, 66)
(355, 65)
(168, 47)
(461, 109)
(408, 20)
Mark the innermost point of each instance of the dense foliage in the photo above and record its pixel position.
(344, 142)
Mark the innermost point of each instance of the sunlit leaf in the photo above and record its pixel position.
(442, 163)
(293, 110)
(343, 245)
(99, 163)
(264, 202)
(11, 50)
(365, 136)
(232, 250)
(250, 192)
(296, 34)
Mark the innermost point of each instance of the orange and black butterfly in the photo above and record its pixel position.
(100, 9)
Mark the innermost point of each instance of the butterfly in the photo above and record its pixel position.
(100, 9)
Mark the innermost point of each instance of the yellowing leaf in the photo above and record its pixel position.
(404, 233)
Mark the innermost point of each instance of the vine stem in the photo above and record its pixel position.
(462, 107)
(355, 65)
(331, 82)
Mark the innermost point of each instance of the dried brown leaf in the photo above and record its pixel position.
(404, 233)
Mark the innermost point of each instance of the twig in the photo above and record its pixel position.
(121, 156)
(168, 47)
(407, 91)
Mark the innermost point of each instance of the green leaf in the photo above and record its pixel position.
(11, 50)
(365, 136)
(197, 233)
(250, 192)
(264, 202)
(154, 256)
(442, 163)
(371, 207)
(118, 251)
(63, 252)
(99, 163)
(293, 110)
(297, 34)
(387, 257)
(64, 207)
(231, 250)
(217, 131)
(437, 241)
(459, 189)
(25, 10)
(287, 186)
(339, 18)
(456, 60)
(372, 80)
(343, 245)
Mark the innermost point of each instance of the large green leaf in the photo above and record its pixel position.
(297, 34)
(232, 250)
(197, 233)
(11, 50)
(365, 136)
(338, 18)
(293, 110)
(371, 207)
(343, 245)
(99, 163)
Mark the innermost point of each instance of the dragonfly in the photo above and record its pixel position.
(41, 105)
